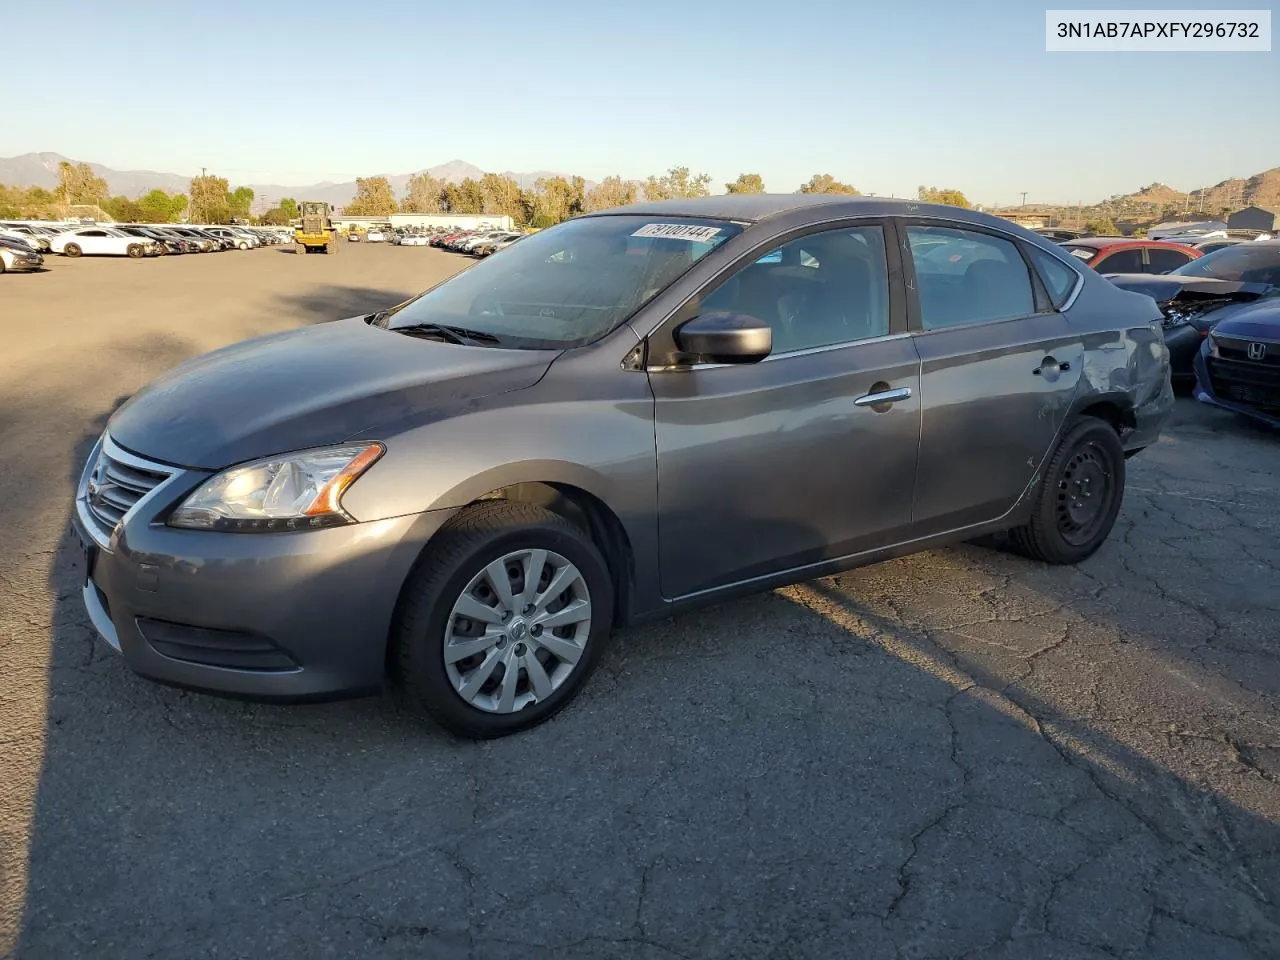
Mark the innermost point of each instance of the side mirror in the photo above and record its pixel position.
(725, 338)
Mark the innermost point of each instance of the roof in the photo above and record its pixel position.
(760, 206)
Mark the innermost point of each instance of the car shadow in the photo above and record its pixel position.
(831, 751)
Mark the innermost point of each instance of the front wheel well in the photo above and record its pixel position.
(591, 514)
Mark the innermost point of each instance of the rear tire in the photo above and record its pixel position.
(72, 250)
(452, 574)
(1079, 496)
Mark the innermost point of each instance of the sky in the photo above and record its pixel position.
(886, 96)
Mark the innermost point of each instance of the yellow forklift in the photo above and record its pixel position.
(316, 233)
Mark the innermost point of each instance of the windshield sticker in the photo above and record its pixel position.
(678, 231)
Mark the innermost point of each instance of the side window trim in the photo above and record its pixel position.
(660, 343)
(914, 314)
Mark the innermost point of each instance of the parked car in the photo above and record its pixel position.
(1127, 255)
(1196, 297)
(630, 413)
(414, 240)
(1209, 246)
(34, 238)
(167, 244)
(17, 256)
(375, 236)
(103, 241)
(1238, 367)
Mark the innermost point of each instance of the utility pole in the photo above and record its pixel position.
(1024, 198)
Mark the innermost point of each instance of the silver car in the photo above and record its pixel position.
(626, 415)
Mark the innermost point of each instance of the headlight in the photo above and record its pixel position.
(294, 491)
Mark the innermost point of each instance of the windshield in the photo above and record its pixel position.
(570, 284)
(1081, 253)
(1247, 262)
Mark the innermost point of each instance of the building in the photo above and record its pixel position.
(1252, 218)
(1031, 221)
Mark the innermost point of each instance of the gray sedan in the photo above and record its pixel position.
(634, 412)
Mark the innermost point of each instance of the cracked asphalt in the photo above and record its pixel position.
(957, 754)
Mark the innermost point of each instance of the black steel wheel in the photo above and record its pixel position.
(1079, 496)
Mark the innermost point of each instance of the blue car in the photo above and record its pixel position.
(1238, 366)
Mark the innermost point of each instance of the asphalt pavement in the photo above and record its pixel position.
(957, 754)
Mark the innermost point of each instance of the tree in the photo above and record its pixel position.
(275, 217)
(746, 183)
(423, 194)
(554, 199)
(373, 198)
(464, 197)
(289, 207)
(501, 196)
(77, 183)
(609, 193)
(1102, 226)
(951, 197)
(826, 183)
(209, 199)
(677, 182)
(122, 209)
(160, 207)
(240, 201)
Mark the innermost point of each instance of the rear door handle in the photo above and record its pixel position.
(1048, 364)
(883, 397)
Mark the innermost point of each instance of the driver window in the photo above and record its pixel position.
(821, 290)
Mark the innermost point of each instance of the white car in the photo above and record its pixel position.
(30, 235)
(238, 240)
(375, 236)
(415, 241)
(102, 241)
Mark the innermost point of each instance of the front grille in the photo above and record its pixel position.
(1232, 349)
(116, 482)
(1244, 381)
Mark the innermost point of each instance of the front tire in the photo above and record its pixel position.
(72, 250)
(135, 252)
(504, 618)
(1079, 498)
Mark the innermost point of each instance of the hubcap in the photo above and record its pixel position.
(517, 631)
(1084, 495)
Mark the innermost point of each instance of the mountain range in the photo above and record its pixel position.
(41, 170)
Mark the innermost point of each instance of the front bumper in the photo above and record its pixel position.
(1205, 393)
(283, 616)
(26, 262)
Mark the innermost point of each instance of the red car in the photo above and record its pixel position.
(1125, 255)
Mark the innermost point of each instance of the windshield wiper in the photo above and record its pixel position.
(449, 334)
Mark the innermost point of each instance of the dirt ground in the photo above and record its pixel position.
(960, 753)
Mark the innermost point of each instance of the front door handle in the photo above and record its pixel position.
(883, 397)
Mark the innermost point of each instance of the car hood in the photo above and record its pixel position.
(1255, 321)
(1164, 287)
(308, 387)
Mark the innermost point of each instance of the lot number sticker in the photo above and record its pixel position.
(678, 231)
